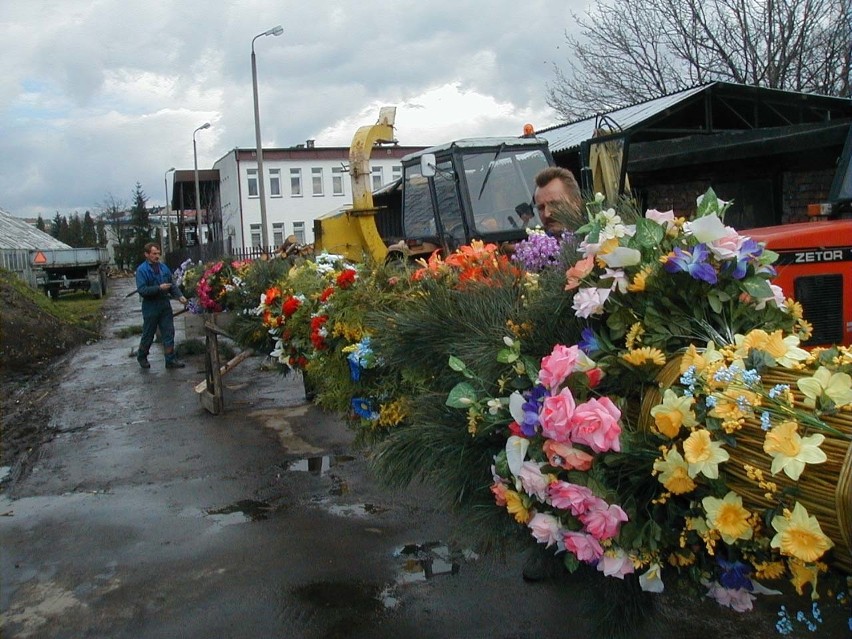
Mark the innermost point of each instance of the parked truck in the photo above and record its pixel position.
(72, 269)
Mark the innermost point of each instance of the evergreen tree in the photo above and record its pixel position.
(64, 235)
(139, 222)
(56, 225)
(89, 234)
(75, 230)
(40, 225)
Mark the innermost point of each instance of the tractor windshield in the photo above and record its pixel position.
(500, 186)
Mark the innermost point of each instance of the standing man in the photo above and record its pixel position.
(556, 190)
(154, 283)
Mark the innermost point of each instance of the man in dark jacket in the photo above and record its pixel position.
(154, 283)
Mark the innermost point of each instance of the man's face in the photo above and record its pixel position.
(548, 198)
(153, 255)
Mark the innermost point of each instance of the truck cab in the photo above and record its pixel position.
(480, 188)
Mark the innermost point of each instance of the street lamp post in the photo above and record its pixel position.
(167, 240)
(206, 125)
(264, 236)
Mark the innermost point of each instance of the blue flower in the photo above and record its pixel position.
(589, 343)
(749, 252)
(531, 409)
(694, 263)
(364, 408)
(735, 574)
(354, 368)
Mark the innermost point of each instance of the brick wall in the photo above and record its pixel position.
(802, 188)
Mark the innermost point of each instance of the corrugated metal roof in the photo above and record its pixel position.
(16, 233)
(567, 136)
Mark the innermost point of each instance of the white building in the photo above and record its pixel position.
(301, 183)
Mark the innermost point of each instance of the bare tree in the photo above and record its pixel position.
(633, 50)
(119, 231)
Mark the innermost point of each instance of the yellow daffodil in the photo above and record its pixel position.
(728, 517)
(515, 506)
(703, 454)
(804, 575)
(790, 451)
(640, 356)
(700, 360)
(799, 535)
(674, 473)
(836, 386)
(784, 350)
(673, 413)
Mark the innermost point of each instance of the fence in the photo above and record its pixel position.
(216, 251)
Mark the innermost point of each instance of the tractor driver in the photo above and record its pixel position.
(556, 191)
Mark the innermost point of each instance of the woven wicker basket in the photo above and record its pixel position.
(824, 489)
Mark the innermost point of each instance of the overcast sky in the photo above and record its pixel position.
(96, 95)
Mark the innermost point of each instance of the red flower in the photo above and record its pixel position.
(273, 293)
(317, 338)
(290, 306)
(346, 278)
(326, 294)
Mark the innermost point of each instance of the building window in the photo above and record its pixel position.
(277, 233)
(396, 173)
(296, 182)
(337, 180)
(299, 232)
(255, 235)
(274, 182)
(316, 180)
(378, 178)
(251, 174)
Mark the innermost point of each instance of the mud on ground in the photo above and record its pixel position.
(33, 344)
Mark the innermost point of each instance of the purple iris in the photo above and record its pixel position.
(694, 263)
(749, 252)
(531, 409)
(735, 574)
(589, 343)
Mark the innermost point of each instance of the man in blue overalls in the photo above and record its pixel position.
(154, 283)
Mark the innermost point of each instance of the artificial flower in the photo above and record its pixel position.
(516, 452)
(498, 489)
(703, 455)
(673, 413)
(595, 424)
(515, 506)
(708, 228)
(621, 257)
(644, 355)
(603, 520)
(589, 301)
(580, 270)
(798, 534)
(584, 546)
(651, 580)
(728, 517)
(785, 350)
(790, 451)
(556, 414)
(532, 480)
(836, 386)
(573, 497)
(564, 455)
(693, 262)
(557, 366)
(802, 575)
(545, 528)
(615, 563)
(674, 473)
(738, 599)
(640, 279)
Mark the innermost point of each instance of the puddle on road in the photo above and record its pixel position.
(349, 510)
(240, 512)
(318, 465)
(430, 559)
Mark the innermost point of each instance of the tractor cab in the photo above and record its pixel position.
(470, 189)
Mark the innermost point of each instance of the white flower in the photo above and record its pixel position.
(621, 256)
(516, 452)
(589, 301)
(650, 580)
(516, 407)
(706, 229)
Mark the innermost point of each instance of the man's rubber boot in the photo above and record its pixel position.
(175, 364)
(143, 361)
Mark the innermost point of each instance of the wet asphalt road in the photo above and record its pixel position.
(147, 517)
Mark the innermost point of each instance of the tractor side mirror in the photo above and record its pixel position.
(427, 165)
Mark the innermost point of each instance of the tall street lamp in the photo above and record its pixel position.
(206, 125)
(167, 240)
(264, 236)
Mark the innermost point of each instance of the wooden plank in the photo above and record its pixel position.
(226, 368)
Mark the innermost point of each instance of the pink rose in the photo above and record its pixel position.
(564, 455)
(728, 246)
(616, 565)
(584, 547)
(595, 424)
(557, 366)
(556, 414)
(570, 497)
(603, 523)
(545, 529)
(532, 480)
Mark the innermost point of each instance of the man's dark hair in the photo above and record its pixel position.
(546, 176)
(151, 245)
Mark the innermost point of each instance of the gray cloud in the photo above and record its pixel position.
(96, 96)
